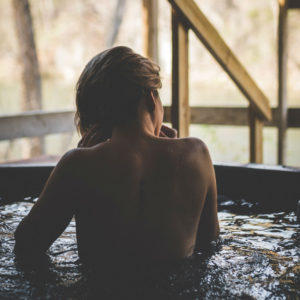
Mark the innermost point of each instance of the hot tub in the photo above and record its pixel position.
(256, 257)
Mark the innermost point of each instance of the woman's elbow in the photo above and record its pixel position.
(20, 240)
(24, 241)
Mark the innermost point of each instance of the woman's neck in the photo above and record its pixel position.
(134, 130)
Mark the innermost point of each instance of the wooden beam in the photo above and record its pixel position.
(150, 28)
(219, 115)
(39, 123)
(180, 77)
(36, 123)
(224, 56)
(282, 82)
(256, 137)
(294, 118)
(293, 3)
(232, 116)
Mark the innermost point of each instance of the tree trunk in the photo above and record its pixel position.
(31, 80)
(117, 21)
(150, 29)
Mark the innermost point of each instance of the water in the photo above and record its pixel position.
(257, 257)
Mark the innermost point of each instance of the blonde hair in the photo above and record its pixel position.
(110, 87)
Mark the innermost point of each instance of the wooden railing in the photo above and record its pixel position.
(36, 123)
(186, 15)
(39, 123)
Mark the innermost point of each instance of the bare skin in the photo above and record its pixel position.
(141, 194)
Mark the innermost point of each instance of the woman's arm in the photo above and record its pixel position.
(52, 212)
(209, 228)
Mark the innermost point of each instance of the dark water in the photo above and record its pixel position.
(257, 257)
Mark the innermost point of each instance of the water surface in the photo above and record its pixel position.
(256, 257)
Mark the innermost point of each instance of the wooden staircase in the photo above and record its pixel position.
(186, 15)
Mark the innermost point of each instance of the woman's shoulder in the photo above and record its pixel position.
(190, 144)
(189, 151)
(194, 142)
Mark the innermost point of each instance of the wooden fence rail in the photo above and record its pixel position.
(235, 116)
(39, 123)
(36, 123)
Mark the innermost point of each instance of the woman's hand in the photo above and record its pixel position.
(168, 132)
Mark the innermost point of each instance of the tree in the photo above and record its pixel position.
(117, 21)
(31, 80)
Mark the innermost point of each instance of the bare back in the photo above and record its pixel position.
(143, 198)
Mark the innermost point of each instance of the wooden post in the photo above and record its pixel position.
(256, 126)
(282, 79)
(180, 114)
(150, 26)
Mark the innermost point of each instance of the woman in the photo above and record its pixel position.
(136, 191)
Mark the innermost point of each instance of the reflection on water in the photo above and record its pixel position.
(257, 257)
